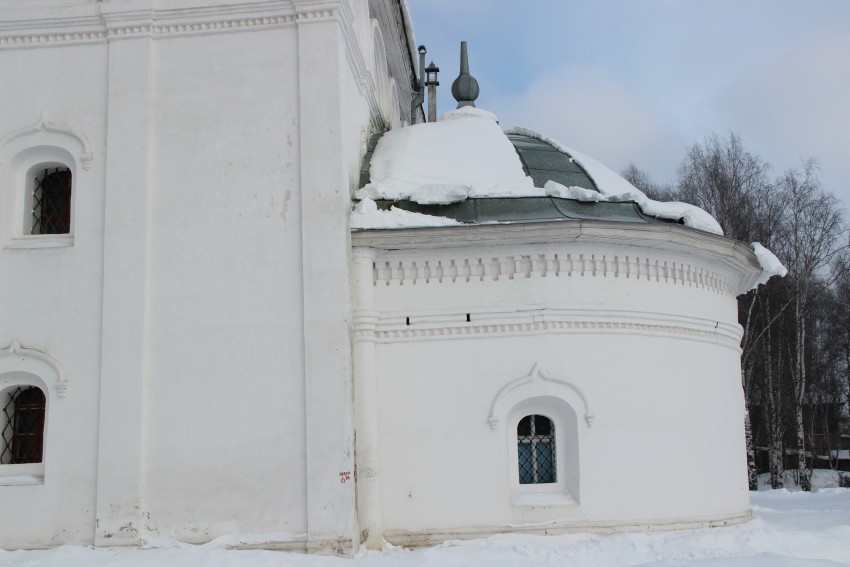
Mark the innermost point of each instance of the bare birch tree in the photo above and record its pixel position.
(784, 358)
(732, 184)
(726, 180)
(641, 180)
(812, 226)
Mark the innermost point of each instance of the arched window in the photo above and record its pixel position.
(536, 450)
(41, 170)
(23, 426)
(51, 200)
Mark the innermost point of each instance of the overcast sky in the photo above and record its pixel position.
(629, 80)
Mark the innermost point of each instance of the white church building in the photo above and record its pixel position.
(227, 311)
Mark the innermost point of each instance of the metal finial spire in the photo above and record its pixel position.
(465, 88)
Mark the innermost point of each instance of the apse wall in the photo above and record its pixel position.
(632, 351)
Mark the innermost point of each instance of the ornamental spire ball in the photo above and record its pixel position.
(465, 87)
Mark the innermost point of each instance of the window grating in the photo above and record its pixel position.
(536, 450)
(23, 429)
(51, 202)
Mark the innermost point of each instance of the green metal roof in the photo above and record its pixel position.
(542, 162)
(489, 210)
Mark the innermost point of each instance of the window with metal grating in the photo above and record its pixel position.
(536, 450)
(51, 202)
(23, 426)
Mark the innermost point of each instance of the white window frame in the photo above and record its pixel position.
(22, 153)
(23, 473)
(557, 493)
(23, 367)
(539, 393)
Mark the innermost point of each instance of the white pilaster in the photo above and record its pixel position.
(366, 400)
(123, 360)
(325, 198)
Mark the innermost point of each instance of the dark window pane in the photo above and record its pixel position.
(542, 425)
(545, 463)
(524, 427)
(22, 434)
(536, 450)
(51, 207)
(526, 467)
(30, 397)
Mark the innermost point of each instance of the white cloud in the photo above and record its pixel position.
(591, 112)
(798, 106)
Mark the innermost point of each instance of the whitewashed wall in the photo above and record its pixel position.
(51, 296)
(225, 392)
(200, 313)
(647, 361)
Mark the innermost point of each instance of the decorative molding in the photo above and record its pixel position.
(42, 39)
(354, 50)
(125, 31)
(481, 267)
(315, 15)
(537, 376)
(222, 25)
(113, 24)
(727, 254)
(367, 78)
(16, 350)
(513, 328)
(44, 125)
(369, 327)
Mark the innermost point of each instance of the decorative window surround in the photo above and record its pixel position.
(43, 125)
(562, 403)
(512, 392)
(19, 358)
(21, 366)
(44, 144)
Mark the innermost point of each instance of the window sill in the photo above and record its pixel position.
(41, 241)
(543, 499)
(21, 480)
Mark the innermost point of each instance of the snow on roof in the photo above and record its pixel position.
(770, 264)
(615, 188)
(466, 155)
(367, 215)
(411, 36)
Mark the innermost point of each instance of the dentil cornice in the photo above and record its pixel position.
(637, 240)
(101, 21)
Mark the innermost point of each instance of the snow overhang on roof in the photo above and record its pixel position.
(467, 156)
(464, 171)
(497, 210)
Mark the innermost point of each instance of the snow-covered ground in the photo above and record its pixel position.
(789, 529)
